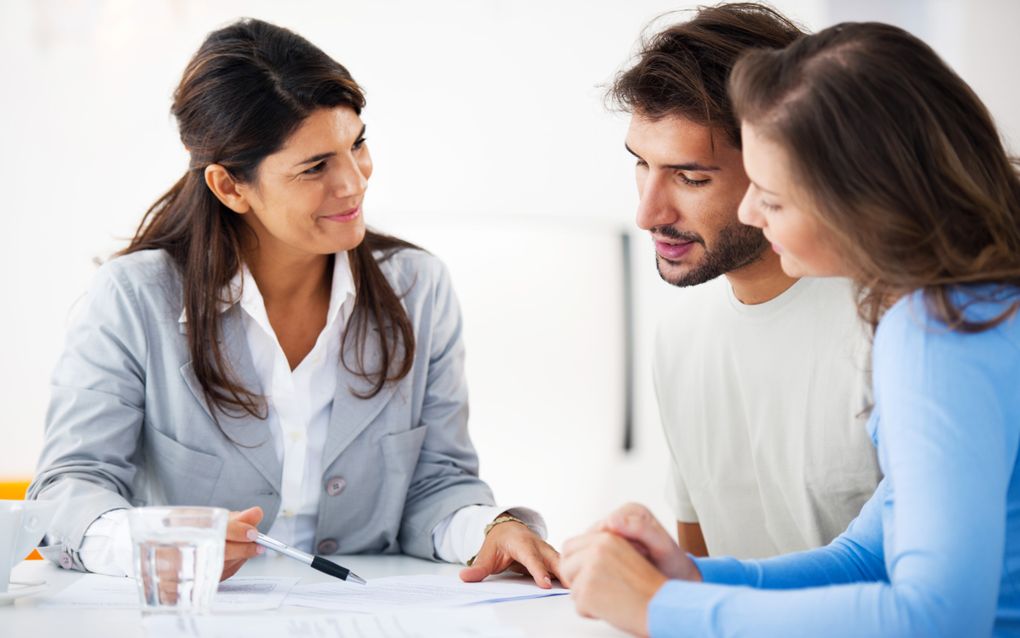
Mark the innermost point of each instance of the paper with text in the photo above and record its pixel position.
(393, 593)
(111, 592)
(470, 622)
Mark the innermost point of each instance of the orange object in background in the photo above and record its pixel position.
(15, 491)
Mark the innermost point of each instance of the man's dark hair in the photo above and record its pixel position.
(682, 71)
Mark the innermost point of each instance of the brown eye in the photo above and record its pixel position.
(315, 170)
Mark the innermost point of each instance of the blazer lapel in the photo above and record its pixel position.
(251, 436)
(350, 414)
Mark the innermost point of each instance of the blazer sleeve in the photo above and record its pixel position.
(95, 416)
(446, 476)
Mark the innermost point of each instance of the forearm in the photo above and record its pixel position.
(853, 611)
(690, 539)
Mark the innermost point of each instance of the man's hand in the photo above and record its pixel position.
(610, 580)
(512, 545)
(637, 524)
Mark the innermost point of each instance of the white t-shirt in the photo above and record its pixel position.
(763, 408)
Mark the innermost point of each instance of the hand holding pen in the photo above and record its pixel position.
(244, 541)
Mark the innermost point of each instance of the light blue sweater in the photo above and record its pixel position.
(936, 550)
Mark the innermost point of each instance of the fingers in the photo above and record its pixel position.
(241, 551)
(241, 526)
(535, 565)
(642, 529)
(629, 509)
(239, 546)
(484, 565)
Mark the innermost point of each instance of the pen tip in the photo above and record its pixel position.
(354, 578)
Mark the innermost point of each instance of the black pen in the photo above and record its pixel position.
(317, 562)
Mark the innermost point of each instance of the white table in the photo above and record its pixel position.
(24, 619)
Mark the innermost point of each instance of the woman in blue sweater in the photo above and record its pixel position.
(869, 158)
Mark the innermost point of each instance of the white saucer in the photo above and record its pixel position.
(17, 590)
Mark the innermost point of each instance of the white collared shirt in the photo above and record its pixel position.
(302, 401)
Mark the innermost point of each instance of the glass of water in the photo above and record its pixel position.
(178, 555)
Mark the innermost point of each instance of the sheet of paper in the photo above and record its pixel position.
(236, 594)
(472, 622)
(390, 594)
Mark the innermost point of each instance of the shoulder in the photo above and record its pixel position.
(414, 272)
(911, 338)
(146, 278)
(139, 269)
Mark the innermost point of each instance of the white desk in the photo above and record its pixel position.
(24, 619)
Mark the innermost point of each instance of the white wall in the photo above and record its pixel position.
(482, 115)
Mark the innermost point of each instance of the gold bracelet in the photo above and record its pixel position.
(502, 518)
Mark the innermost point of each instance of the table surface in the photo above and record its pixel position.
(25, 619)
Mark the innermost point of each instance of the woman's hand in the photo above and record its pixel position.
(513, 545)
(609, 579)
(636, 524)
(241, 532)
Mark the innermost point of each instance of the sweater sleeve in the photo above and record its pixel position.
(937, 522)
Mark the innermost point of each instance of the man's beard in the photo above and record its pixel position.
(735, 246)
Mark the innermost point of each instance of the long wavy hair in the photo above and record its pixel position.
(246, 90)
(902, 163)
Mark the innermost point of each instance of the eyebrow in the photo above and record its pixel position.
(322, 156)
(688, 166)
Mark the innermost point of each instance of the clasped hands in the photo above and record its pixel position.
(509, 545)
(615, 569)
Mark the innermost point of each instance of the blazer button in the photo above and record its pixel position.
(328, 546)
(335, 485)
(65, 561)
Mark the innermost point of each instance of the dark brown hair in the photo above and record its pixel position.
(900, 159)
(249, 86)
(682, 70)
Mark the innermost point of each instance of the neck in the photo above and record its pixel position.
(761, 280)
(290, 280)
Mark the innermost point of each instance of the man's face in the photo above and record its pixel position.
(690, 190)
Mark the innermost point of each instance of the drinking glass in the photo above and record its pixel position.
(178, 556)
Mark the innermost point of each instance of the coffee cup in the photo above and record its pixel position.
(22, 526)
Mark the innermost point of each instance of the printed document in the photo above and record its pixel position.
(112, 592)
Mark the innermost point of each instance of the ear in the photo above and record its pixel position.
(225, 188)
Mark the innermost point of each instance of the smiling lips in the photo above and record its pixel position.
(673, 251)
(345, 216)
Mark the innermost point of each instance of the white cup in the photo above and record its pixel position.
(22, 526)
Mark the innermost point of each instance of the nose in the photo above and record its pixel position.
(350, 179)
(654, 205)
(748, 213)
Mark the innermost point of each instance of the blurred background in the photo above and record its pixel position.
(492, 148)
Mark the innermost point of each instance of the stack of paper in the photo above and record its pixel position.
(236, 594)
(461, 623)
(382, 595)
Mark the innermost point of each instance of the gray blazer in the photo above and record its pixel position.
(127, 423)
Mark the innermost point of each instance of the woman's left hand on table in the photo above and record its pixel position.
(514, 546)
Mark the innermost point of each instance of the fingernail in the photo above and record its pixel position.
(548, 581)
(260, 550)
(253, 534)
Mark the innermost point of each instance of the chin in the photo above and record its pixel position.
(349, 241)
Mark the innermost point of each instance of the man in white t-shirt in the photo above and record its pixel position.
(761, 378)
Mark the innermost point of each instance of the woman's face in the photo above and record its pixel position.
(306, 198)
(783, 211)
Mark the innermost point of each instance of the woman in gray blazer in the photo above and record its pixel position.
(256, 348)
